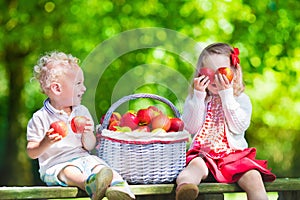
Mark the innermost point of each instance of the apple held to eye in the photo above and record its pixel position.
(78, 123)
(227, 72)
(59, 127)
(210, 73)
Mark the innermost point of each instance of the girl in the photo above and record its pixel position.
(66, 161)
(218, 113)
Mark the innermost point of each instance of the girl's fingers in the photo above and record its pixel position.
(201, 83)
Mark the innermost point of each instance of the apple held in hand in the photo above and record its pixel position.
(59, 127)
(78, 123)
(227, 72)
(129, 119)
(208, 72)
(161, 121)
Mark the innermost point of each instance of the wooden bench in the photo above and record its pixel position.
(288, 189)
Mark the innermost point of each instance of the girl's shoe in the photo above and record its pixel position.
(187, 192)
(119, 190)
(97, 184)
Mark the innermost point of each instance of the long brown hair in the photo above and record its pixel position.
(226, 50)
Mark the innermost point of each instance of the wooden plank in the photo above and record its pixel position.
(283, 184)
(146, 191)
(210, 197)
(39, 192)
(153, 189)
(280, 184)
(288, 195)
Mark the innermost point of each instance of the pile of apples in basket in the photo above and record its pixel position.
(150, 119)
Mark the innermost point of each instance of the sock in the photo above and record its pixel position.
(90, 184)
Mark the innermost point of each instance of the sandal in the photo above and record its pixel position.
(187, 191)
(119, 190)
(97, 184)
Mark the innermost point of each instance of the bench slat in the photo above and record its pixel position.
(39, 192)
(280, 184)
(30, 192)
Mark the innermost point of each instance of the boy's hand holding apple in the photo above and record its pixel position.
(81, 124)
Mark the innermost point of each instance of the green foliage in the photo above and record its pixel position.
(266, 32)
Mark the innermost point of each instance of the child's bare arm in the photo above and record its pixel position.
(35, 149)
(88, 138)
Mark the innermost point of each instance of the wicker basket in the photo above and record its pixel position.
(143, 157)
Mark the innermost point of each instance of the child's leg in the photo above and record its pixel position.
(72, 176)
(95, 185)
(253, 185)
(188, 180)
(193, 173)
(119, 189)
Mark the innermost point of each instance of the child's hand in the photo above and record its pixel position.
(222, 82)
(88, 126)
(52, 137)
(88, 138)
(201, 83)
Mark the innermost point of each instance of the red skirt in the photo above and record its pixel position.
(228, 168)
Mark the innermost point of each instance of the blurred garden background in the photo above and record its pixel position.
(149, 46)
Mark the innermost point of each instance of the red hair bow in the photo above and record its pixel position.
(235, 57)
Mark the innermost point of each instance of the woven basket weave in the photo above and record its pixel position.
(143, 157)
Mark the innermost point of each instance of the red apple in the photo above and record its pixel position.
(143, 128)
(129, 119)
(59, 127)
(208, 72)
(161, 121)
(113, 124)
(115, 116)
(78, 123)
(227, 72)
(176, 125)
(154, 111)
(144, 116)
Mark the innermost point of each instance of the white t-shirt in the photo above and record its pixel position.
(69, 147)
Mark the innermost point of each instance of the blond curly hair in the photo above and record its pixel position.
(51, 66)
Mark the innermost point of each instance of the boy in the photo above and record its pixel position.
(66, 161)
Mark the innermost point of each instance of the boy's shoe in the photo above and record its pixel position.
(187, 192)
(119, 191)
(97, 184)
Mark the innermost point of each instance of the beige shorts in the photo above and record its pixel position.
(85, 164)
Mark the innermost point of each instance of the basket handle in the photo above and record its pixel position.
(132, 97)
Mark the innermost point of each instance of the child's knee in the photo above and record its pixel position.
(253, 176)
(200, 165)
